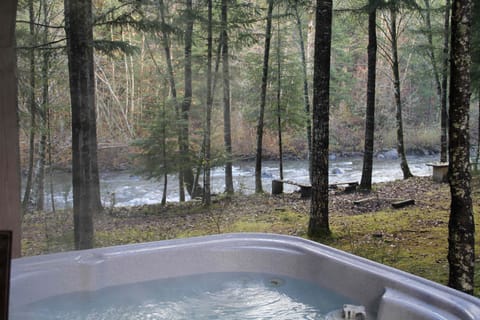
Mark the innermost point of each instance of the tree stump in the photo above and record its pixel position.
(277, 187)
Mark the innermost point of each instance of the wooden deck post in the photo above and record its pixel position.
(10, 217)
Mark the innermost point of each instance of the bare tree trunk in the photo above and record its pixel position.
(49, 138)
(444, 112)
(441, 85)
(131, 119)
(187, 171)
(42, 148)
(306, 98)
(208, 122)
(39, 185)
(398, 101)
(86, 190)
(318, 225)
(263, 100)
(173, 93)
(461, 226)
(127, 80)
(139, 116)
(279, 94)
(33, 110)
(366, 181)
(164, 146)
(431, 51)
(227, 127)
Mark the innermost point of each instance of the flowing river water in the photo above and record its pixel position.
(124, 188)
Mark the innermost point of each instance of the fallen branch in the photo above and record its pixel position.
(403, 203)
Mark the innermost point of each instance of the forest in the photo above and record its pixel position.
(181, 87)
(137, 86)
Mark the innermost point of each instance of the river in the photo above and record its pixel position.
(123, 188)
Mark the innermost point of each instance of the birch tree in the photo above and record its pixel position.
(461, 226)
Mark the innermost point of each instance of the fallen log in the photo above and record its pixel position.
(403, 203)
(362, 201)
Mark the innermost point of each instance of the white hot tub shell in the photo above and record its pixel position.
(386, 293)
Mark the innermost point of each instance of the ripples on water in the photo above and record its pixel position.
(210, 296)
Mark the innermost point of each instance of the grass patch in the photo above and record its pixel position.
(411, 240)
(282, 221)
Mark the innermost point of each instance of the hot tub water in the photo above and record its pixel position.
(203, 296)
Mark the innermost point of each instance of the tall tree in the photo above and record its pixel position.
(173, 88)
(445, 63)
(43, 113)
(263, 99)
(366, 181)
(32, 106)
(279, 96)
(86, 188)
(187, 172)
(393, 33)
(440, 73)
(208, 122)
(227, 128)
(461, 226)
(475, 75)
(306, 98)
(318, 224)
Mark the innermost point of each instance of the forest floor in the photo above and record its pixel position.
(412, 238)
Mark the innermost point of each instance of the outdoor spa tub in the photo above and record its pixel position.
(231, 276)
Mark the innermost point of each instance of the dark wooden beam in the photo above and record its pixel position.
(9, 141)
(5, 263)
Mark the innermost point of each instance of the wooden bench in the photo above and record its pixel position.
(440, 171)
(305, 189)
(349, 185)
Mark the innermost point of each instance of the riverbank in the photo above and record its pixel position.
(413, 238)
